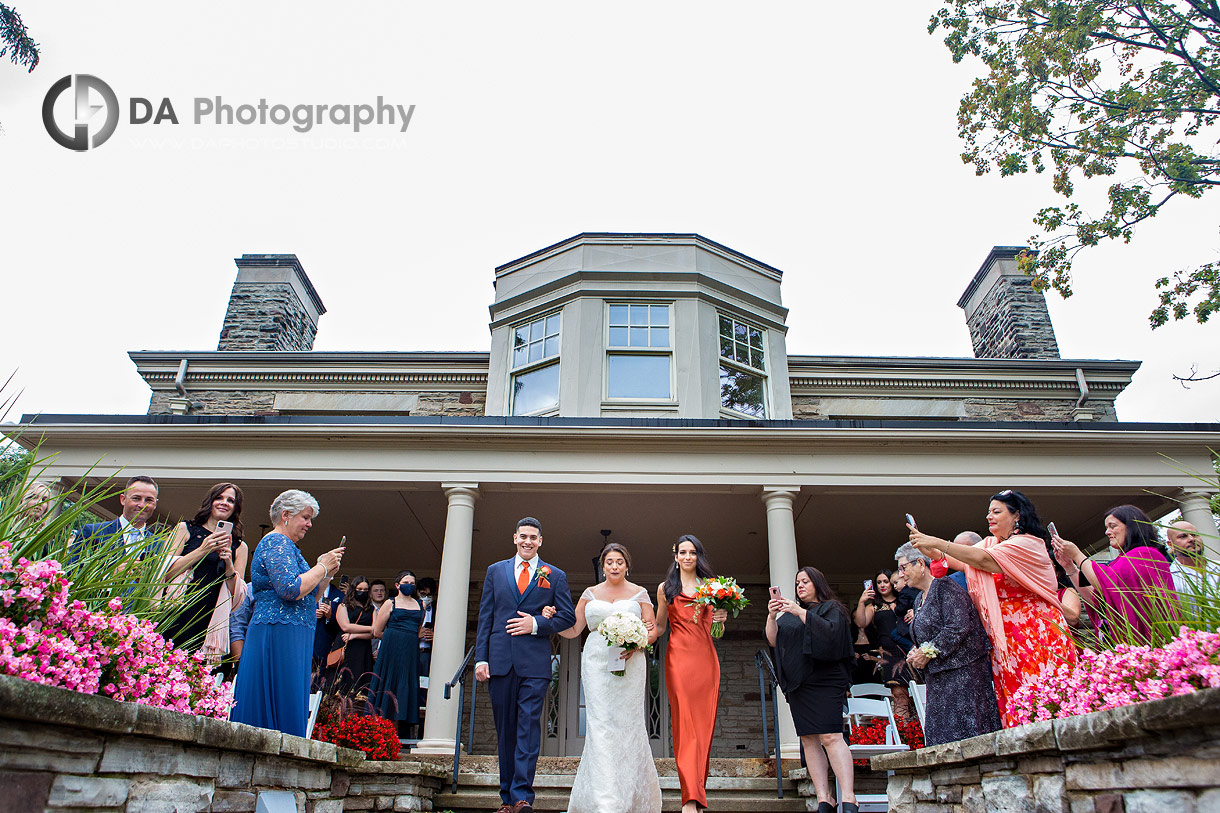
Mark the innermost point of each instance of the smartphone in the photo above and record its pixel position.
(1050, 526)
(224, 527)
(343, 541)
(868, 584)
(775, 593)
(911, 521)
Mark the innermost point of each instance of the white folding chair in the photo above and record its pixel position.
(315, 703)
(856, 710)
(919, 693)
(869, 690)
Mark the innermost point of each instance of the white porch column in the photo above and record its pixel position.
(452, 598)
(1197, 511)
(781, 553)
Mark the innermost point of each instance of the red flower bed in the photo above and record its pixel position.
(377, 737)
(874, 734)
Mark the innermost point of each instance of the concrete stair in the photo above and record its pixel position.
(734, 786)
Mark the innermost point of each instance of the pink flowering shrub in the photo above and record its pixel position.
(48, 638)
(1121, 676)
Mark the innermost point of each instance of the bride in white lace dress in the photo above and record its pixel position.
(617, 773)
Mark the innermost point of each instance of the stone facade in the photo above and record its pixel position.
(1155, 756)
(271, 402)
(62, 750)
(273, 306)
(1007, 317)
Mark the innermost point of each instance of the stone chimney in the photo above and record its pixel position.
(273, 305)
(1007, 317)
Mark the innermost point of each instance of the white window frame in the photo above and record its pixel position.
(733, 364)
(530, 366)
(628, 350)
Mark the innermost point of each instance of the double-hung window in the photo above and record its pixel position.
(639, 352)
(743, 369)
(535, 366)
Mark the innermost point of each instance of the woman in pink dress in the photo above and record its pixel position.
(1130, 597)
(1011, 578)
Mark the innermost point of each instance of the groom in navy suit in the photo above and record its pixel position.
(513, 650)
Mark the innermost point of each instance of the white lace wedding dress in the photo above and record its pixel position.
(617, 773)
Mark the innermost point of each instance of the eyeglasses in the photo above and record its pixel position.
(902, 566)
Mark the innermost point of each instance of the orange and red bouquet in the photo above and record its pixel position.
(720, 593)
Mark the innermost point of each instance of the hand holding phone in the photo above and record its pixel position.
(911, 522)
(224, 527)
(775, 593)
(1050, 526)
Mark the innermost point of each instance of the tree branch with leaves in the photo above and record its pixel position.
(1095, 89)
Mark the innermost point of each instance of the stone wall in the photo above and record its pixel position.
(1162, 755)
(62, 750)
(266, 317)
(242, 402)
(810, 407)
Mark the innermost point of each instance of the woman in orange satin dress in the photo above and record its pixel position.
(692, 668)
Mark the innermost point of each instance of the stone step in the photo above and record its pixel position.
(728, 784)
(553, 800)
(485, 764)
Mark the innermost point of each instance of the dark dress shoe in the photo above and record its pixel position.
(505, 808)
(523, 807)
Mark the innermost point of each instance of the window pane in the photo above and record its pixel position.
(638, 376)
(742, 392)
(726, 347)
(521, 336)
(740, 352)
(536, 390)
(520, 356)
(535, 330)
(618, 314)
(552, 325)
(639, 336)
(660, 314)
(550, 347)
(639, 314)
(739, 331)
(660, 337)
(756, 358)
(726, 326)
(536, 351)
(618, 336)
(755, 337)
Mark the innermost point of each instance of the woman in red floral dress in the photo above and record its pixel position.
(1011, 579)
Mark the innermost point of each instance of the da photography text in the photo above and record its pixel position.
(81, 112)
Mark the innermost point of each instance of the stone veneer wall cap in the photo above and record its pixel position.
(1087, 731)
(237, 736)
(1025, 739)
(943, 754)
(1195, 709)
(384, 768)
(26, 700)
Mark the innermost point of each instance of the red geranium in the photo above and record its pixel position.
(377, 737)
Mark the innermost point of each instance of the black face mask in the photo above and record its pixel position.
(362, 595)
(407, 589)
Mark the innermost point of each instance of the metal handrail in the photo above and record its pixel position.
(766, 675)
(459, 680)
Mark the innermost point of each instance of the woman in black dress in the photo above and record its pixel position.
(394, 689)
(355, 616)
(213, 561)
(957, 668)
(813, 659)
(880, 613)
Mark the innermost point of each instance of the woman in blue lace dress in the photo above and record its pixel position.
(272, 688)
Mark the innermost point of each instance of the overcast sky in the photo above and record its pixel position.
(802, 134)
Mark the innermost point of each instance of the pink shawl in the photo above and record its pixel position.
(1134, 587)
(1023, 559)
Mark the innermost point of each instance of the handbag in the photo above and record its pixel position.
(335, 657)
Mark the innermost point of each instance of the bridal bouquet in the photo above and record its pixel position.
(626, 631)
(720, 593)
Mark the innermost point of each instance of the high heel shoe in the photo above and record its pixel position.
(826, 807)
(851, 807)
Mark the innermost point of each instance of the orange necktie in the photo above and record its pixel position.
(523, 580)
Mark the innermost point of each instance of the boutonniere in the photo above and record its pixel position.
(541, 577)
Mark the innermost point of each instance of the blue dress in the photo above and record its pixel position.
(394, 689)
(272, 688)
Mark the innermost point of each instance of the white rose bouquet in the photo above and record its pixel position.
(626, 631)
(929, 650)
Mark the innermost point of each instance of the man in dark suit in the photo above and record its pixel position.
(513, 651)
(139, 502)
